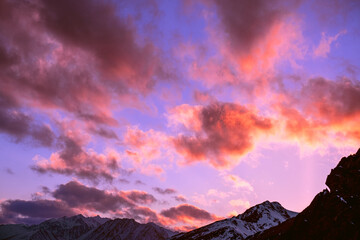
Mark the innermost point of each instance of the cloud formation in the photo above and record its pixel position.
(84, 55)
(80, 196)
(35, 211)
(323, 49)
(223, 132)
(188, 214)
(74, 160)
(164, 191)
(248, 22)
(238, 182)
(322, 108)
(21, 126)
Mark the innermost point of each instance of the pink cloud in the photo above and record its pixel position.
(238, 182)
(145, 148)
(240, 203)
(74, 159)
(323, 49)
(222, 133)
(187, 213)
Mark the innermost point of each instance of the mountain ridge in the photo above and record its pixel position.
(257, 218)
(333, 213)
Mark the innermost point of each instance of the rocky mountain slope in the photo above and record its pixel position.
(128, 229)
(333, 214)
(255, 219)
(80, 227)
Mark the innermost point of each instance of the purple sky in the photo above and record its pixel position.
(176, 112)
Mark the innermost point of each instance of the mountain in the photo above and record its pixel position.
(80, 227)
(128, 229)
(60, 228)
(253, 220)
(333, 214)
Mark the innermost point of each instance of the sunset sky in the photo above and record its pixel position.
(175, 112)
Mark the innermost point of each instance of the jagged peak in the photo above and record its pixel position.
(258, 211)
(344, 179)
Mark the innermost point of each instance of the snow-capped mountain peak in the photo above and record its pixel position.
(253, 220)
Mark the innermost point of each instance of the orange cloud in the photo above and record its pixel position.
(222, 133)
(322, 111)
(188, 214)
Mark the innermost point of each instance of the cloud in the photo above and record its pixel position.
(322, 109)
(82, 66)
(240, 203)
(140, 197)
(78, 195)
(333, 100)
(222, 134)
(164, 191)
(202, 97)
(31, 212)
(145, 148)
(74, 160)
(217, 193)
(248, 22)
(104, 132)
(248, 42)
(180, 198)
(21, 126)
(96, 28)
(141, 214)
(325, 43)
(123, 180)
(237, 182)
(188, 214)
(139, 182)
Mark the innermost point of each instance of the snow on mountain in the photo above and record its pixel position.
(128, 229)
(80, 227)
(333, 213)
(253, 220)
(58, 228)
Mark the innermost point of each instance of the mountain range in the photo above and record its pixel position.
(334, 213)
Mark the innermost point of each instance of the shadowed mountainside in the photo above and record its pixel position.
(333, 214)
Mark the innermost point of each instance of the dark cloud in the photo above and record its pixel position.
(30, 212)
(80, 196)
(140, 197)
(248, 22)
(104, 132)
(123, 180)
(141, 214)
(20, 126)
(226, 129)
(97, 28)
(85, 57)
(164, 191)
(186, 212)
(332, 100)
(139, 182)
(180, 198)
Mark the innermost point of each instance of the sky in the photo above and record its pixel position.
(175, 112)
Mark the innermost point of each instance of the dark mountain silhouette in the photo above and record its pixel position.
(333, 214)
